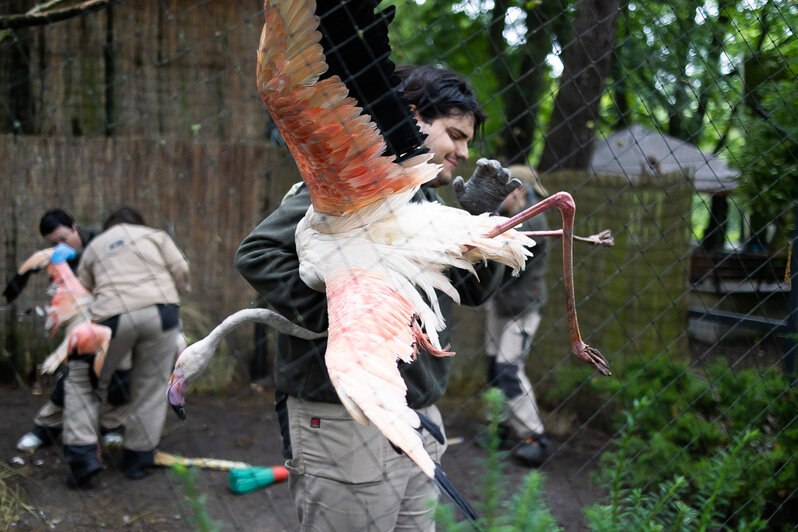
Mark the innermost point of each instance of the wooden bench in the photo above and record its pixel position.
(720, 266)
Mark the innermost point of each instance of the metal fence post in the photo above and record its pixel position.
(792, 317)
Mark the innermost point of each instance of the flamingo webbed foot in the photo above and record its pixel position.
(592, 356)
(604, 238)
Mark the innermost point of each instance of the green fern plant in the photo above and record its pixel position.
(636, 509)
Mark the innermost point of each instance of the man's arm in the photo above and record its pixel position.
(473, 291)
(175, 261)
(268, 260)
(16, 285)
(84, 275)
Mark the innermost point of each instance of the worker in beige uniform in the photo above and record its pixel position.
(136, 275)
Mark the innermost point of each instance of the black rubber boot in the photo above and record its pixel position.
(532, 451)
(134, 464)
(48, 435)
(83, 464)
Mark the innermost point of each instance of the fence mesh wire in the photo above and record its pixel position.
(670, 123)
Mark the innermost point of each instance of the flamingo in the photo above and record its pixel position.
(193, 359)
(362, 242)
(69, 305)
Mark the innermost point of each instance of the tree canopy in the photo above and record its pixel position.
(553, 75)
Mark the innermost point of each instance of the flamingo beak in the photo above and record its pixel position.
(175, 394)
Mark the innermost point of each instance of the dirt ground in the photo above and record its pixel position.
(243, 427)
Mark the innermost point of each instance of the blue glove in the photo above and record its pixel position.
(62, 253)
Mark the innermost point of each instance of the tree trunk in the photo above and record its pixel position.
(621, 97)
(524, 80)
(712, 73)
(569, 139)
(15, 78)
(715, 231)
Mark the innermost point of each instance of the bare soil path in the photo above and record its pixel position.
(242, 427)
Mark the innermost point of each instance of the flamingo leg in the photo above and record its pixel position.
(565, 203)
(603, 238)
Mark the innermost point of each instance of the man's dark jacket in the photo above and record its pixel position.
(267, 259)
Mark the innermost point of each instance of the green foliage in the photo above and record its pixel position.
(523, 511)
(736, 425)
(670, 504)
(458, 35)
(197, 502)
(767, 156)
(679, 67)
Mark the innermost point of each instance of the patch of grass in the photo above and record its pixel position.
(12, 504)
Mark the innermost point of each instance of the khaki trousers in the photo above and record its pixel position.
(139, 335)
(509, 340)
(50, 415)
(347, 477)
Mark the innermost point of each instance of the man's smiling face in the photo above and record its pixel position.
(447, 140)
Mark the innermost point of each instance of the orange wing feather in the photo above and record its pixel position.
(336, 146)
(90, 338)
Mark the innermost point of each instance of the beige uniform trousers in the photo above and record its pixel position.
(139, 335)
(50, 415)
(347, 477)
(509, 340)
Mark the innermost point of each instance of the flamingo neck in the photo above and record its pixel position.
(232, 322)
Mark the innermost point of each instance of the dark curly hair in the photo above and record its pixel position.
(54, 218)
(438, 92)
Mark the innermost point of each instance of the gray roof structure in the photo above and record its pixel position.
(637, 150)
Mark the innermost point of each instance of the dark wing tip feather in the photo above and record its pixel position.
(431, 427)
(446, 486)
(356, 49)
(396, 448)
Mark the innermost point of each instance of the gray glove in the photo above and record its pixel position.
(486, 189)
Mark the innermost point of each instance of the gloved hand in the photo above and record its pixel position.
(486, 189)
(16, 286)
(62, 253)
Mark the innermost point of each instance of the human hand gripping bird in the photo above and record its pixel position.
(378, 257)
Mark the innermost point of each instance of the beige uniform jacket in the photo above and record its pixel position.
(129, 267)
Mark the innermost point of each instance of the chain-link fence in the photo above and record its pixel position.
(670, 123)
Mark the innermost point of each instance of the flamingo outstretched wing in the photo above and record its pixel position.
(70, 297)
(365, 311)
(341, 152)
